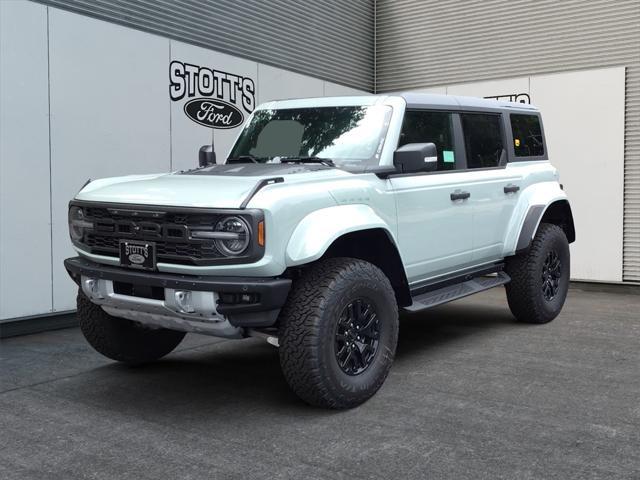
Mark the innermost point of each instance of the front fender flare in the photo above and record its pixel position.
(317, 231)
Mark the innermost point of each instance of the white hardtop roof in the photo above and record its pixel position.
(413, 100)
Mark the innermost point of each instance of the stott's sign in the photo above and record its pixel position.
(213, 113)
(214, 98)
(512, 97)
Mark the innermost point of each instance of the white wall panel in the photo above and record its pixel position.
(277, 84)
(186, 135)
(25, 234)
(109, 115)
(583, 114)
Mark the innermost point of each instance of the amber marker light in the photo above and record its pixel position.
(261, 233)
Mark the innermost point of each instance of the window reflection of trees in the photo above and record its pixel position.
(322, 127)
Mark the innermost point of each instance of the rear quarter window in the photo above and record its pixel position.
(483, 139)
(527, 135)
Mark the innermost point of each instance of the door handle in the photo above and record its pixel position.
(511, 188)
(459, 195)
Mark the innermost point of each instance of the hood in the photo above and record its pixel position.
(223, 186)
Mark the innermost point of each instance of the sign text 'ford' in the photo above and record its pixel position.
(213, 113)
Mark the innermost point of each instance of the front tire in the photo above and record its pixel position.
(540, 277)
(123, 340)
(338, 333)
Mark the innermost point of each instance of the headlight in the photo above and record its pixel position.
(232, 236)
(77, 223)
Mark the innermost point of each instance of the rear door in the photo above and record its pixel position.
(494, 189)
(434, 229)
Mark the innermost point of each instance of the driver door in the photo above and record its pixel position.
(434, 219)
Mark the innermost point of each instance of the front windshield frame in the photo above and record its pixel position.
(379, 116)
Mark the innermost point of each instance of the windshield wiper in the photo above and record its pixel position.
(324, 161)
(243, 159)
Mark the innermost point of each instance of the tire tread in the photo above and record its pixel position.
(300, 325)
(523, 296)
(120, 339)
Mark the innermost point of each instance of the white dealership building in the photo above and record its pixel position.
(97, 89)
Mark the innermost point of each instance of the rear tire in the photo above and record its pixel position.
(123, 340)
(540, 277)
(338, 333)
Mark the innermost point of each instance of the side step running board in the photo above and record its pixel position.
(454, 292)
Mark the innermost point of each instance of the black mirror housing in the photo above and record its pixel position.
(206, 156)
(416, 157)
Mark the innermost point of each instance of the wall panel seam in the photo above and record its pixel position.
(50, 165)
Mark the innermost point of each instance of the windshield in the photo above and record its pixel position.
(349, 136)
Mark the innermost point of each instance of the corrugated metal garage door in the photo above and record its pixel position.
(423, 43)
(327, 39)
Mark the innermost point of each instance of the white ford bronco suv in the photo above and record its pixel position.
(329, 217)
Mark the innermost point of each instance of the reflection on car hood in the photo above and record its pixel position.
(257, 169)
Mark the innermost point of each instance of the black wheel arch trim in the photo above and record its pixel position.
(349, 245)
(557, 212)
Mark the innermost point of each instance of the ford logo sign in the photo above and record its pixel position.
(213, 113)
(136, 258)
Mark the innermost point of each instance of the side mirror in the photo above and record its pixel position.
(206, 156)
(416, 157)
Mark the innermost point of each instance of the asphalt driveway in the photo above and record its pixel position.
(472, 395)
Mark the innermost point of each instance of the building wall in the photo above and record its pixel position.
(327, 39)
(84, 90)
(440, 43)
(84, 98)
(25, 194)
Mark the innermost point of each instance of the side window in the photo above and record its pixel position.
(527, 135)
(482, 139)
(421, 126)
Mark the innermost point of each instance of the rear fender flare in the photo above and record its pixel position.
(537, 206)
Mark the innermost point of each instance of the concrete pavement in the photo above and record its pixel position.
(472, 394)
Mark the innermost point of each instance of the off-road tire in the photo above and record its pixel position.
(123, 340)
(307, 332)
(525, 291)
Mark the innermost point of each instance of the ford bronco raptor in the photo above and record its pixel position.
(329, 217)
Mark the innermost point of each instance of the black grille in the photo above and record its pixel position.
(168, 230)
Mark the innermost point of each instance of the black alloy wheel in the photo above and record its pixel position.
(357, 337)
(551, 274)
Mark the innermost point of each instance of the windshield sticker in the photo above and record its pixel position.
(448, 157)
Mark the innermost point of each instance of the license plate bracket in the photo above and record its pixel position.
(137, 254)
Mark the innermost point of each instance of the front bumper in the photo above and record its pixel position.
(238, 301)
